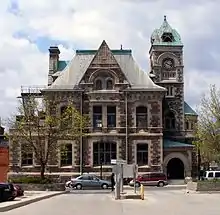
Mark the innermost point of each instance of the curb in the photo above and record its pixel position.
(24, 203)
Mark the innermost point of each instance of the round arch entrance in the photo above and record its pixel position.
(175, 169)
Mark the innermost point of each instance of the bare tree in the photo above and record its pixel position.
(207, 130)
(39, 125)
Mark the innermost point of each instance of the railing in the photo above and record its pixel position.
(32, 89)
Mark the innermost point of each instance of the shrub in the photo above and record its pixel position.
(30, 180)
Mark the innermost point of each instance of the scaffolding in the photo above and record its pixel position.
(32, 90)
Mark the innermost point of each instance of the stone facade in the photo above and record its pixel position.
(128, 131)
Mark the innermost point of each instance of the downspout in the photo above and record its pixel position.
(126, 126)
(81, 138)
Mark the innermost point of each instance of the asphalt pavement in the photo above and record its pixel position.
(157, 201)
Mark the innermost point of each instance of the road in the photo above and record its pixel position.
(158, 201)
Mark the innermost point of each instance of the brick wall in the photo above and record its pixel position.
(4, 163)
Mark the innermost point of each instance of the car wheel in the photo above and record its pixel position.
(104, 186)
(79, 186)
(71, 185)
(137, 184)
(160, 184)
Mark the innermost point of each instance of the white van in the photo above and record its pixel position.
(210, 175)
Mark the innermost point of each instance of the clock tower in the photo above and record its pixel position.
(166, 60)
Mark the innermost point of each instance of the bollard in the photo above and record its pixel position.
(142, 191)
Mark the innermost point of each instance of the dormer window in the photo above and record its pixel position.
(167, 37)
(98, 84)
(109, 84)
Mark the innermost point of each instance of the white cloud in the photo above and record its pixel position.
(86, 23)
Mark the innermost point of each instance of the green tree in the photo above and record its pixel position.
(207, 132)
(40, 125)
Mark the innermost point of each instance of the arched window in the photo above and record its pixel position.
(170, 121)
(141, 117)
(98, 84)
(187, 125)
(109, 84)
(167, 37)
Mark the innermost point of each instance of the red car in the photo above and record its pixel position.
(19, 190)
(151, 179)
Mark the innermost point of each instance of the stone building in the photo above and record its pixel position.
(136, 116)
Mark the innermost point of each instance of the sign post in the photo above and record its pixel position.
(135, 175)
(122, 179)
(118, 177)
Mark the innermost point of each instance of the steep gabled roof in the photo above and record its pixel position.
(71, 76)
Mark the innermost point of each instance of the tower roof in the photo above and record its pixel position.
(165, 35)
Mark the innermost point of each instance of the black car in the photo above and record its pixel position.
(7, 192)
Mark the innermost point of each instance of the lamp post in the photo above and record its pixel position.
(99, 125)
(199, 162)
(100, 168)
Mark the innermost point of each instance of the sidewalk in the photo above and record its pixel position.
(28, 198)
(170, 186)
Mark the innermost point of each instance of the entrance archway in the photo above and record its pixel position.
(175, 169)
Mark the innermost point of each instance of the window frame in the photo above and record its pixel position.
(97, 116)
(101, 82)
(66, 163)
(106, 84)
(171, 120)
(111, 116)
(25, 157)
(142, 151)
(141, 116)
(103, 154)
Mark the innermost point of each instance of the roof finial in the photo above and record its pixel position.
(165, 18)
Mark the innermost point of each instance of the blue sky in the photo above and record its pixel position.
(28, 28)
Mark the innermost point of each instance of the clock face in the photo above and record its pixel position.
(168, 64)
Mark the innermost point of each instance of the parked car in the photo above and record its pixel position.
(210, 175)
(19, 190)
(151, 179)
(7, 192)
(88, 181)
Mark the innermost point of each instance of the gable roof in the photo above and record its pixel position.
(188, 110)
(74, 71)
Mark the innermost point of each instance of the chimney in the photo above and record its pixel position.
(54, 53)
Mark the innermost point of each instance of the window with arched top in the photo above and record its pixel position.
(167, 37)
(109, 84)
(141, 117)
(187, 125)
(170, 120)
(98, 84)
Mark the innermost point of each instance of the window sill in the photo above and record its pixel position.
(66, 167)
(170, 96)
(144, 166)
(103, 167)
(28, 166)
(55, 165)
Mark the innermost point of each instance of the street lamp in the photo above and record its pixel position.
(101, 167)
